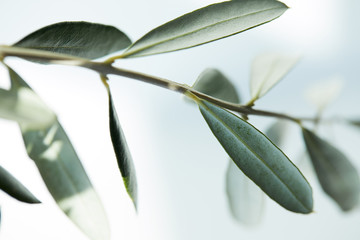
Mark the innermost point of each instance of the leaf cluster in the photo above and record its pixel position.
(255, 158)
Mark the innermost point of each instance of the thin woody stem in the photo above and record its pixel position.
(106, 68)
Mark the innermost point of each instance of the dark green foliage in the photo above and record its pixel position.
(259, 159)
(336, 174)
(122, 152)
(81, 39)
(253, 155)
(14, 188)
(245, 199)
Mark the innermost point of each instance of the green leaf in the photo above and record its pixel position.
(212, 82)
(82, 39)
(207, 24)
(259, 159)
(267, 70)
(122, 152)
(14, 188)
(337, 176)
(64, 175)
(25, 107)
(246, 200)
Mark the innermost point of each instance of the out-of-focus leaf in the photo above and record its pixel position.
(122, 152)
(207, 24)
(267, 70)
(25, 107)
(246, 200)
(321, 94)
(355, 123)
(64, 175)
(337, 176)
(10, 185)
(82, 39)
(66, 179)
(212, 82)
(259, 159)
(276, 132)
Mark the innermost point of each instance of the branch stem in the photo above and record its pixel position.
(106, 68)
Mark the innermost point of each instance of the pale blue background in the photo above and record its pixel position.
(180, 165)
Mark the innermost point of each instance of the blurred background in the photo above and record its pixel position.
(180, 165)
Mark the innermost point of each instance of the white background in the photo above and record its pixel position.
(180, 165)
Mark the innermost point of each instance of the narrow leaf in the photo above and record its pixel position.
(82, 39)
(66, 179)
(267, 70)
(259, 159)
(245, 198)
(122, 152)
(64, 175)
(25, 107)
(10, 185)
(207, 24)
(336, 174)
(212, 82)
